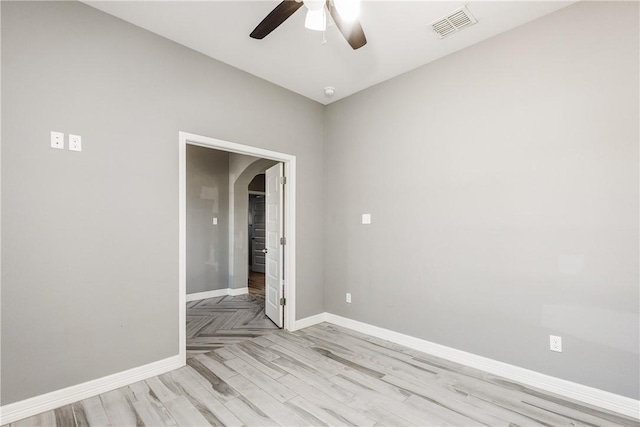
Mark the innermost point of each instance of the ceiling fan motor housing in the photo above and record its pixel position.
(313, 4)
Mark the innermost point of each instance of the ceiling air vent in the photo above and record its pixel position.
(453, 22)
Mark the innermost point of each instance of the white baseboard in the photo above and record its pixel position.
(217, 293)
(593, 396)
(238, 291)
(55, 399)
(309, 321)
(600, 398)
(207, 294)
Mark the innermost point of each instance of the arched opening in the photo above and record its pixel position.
(240, 241)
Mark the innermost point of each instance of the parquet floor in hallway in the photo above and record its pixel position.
(216, 322)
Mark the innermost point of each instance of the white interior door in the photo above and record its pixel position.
(273, 250)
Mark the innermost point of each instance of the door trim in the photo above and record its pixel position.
(289, 251)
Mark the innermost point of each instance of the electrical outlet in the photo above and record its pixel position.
(75, 142)
(348, 297)
(57, 140)
(366, 218)
(555, 343)
(215, 221)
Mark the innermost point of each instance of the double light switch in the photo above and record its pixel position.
(57, 141)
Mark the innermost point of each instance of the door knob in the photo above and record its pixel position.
(264, 251)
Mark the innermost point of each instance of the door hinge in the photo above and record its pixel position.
(283, 240)
(283, 180)
(283, 301)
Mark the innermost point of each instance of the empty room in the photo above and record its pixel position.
(307, 213)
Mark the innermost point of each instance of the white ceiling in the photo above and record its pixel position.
(398, 35)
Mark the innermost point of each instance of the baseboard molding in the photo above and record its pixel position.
(600, 398)
(238, 291)
(309, 321)
(55, 399)
(217, 293)
(208, 294)
(593, 396)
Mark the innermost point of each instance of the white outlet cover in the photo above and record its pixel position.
(555, 343)
(57, 140)
(366, 218)
(215, 221)
(75, 142)
(348, 299)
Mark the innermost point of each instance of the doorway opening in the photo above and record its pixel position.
(257, 236)
(233, 219)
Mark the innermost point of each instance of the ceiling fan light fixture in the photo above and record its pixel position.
(316, 20)
(313, 4)
(349, 10)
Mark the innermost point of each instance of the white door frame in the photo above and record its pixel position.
(289, 162)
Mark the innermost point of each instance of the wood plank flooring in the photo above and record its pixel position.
(256, 284)
(325, 375)
(216, 322)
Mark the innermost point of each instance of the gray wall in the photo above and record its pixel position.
(503, 186)
(90, 240)
(207, 198)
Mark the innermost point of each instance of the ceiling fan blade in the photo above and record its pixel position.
(276, 17)
(352, 31)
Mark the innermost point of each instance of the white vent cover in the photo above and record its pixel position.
(453, 22)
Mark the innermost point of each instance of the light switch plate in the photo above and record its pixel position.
(57, 140)
(366, 218)
(75, 142)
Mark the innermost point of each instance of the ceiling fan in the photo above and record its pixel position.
(343, 12)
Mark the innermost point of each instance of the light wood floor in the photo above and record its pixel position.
(216, 322)
(256, 284)
(325, 375)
